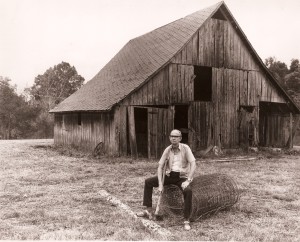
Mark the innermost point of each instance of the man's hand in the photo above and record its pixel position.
(160, 188)
(185, 184)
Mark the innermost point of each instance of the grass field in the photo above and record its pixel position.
(48, 193)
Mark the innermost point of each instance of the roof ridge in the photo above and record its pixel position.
(216, 6)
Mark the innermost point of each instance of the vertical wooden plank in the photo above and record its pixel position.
(166, 85)
(160, 89)
(237, 104)
(191, 79)
(226, 44)
(145, 94)
(163, 122)
(221, 43)
(230, 46)
(155, 132)
(171, 85)
(235, 50)
(174, 83)
(182, 82)
(178, 58)
(123, 130)
(291, 131)
(201, 46)
(211, 43)
(238, 50)
(105, 133)
(180, 90)
(218, 43)
(241, 55)
(149, 110)
(160, 121)
(112, 143)
(205, 44)
(195, 49)
(132, 133)
(218, 82)
(171, 115)
(215, 40)
(214, 105)
(191, 128)
(184, 56)
(225, 121)
(232, 108)
(250, 89)
(117, 118)
(243, 88)
(201, 125)
(150, 91)
(189, 53)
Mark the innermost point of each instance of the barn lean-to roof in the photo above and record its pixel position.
(139, 60)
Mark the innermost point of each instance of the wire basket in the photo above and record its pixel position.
(211, 193)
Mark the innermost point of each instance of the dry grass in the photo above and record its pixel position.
(53, 194)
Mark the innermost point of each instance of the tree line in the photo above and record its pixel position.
(26, 115)
(289, 77)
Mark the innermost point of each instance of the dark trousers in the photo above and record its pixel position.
(172, 179)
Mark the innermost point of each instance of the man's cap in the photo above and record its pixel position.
(175, 132)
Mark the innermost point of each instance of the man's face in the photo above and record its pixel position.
(175, 139)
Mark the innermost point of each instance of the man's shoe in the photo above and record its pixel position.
(187, 225)
(145, 214)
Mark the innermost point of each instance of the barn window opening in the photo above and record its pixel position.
(79, 119)
(203, 83)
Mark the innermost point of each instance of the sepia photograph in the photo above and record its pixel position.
(139, 120)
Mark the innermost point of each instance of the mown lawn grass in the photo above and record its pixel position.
(48, 193)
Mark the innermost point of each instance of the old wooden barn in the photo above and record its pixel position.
(198, 74)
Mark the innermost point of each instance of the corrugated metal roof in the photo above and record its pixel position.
(138, 60)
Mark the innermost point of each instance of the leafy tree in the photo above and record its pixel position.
(294, 65)
(16, 115)
(278, 69)
(49, 89)
(56, 84)
(292, 80)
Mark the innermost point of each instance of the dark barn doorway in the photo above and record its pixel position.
(181, 121)
(141, 129)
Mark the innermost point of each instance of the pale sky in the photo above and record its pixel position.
(38, 34)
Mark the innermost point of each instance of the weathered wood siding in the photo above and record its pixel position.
(94, 128)
(160, 124)
(173, 84)
(217, 44)
(274, 130)
(239, 83)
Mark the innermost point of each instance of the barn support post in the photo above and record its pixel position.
(292, 130)
(123, 130)
(132, 136)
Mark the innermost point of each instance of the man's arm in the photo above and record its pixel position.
(161, 164)
(160, 174)
(192, 171)
(191, 158)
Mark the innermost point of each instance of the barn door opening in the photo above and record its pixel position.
(141, 130)
(181, 121)
(148, 130)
